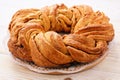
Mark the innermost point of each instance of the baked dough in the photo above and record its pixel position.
(56, 36)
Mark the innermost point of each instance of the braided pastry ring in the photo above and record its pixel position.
(57, 36)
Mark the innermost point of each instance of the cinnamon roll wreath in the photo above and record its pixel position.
(56, 35)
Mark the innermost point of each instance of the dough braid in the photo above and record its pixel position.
(56, 35)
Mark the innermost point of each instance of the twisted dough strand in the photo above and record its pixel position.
(33, 35)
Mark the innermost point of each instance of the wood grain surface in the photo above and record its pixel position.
(108, 69)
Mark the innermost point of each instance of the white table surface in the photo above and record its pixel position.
(108, 69)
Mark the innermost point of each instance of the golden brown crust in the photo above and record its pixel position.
(34, 37)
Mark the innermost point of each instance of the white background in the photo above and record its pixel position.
(8, 7)
(109, 69)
